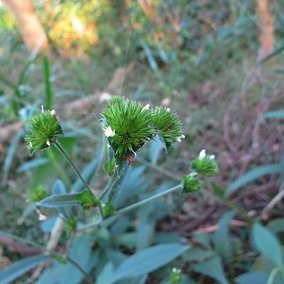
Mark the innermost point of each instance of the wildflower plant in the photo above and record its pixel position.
(127, 127)
(45, 129)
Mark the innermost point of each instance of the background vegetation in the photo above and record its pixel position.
(219, 64)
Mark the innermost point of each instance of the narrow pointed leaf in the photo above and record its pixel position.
(212, 268)
(17, 269)
(267, 244)
(253, 175)
(148, 260)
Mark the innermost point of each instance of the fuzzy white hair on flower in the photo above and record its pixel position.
(202, 154)
(176, 270)
(146, 107)
(193, 174)
(180, 137)
(108, 131)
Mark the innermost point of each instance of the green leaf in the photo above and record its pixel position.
(212, 268)
(18, 268)
(10, 156)
(150, 57)
(106, 274)
(252, 278)
(84, 198)
(132, 183)
(221, 237)
(276, 225)
(253, 175)
(80, 251)
(267, 244)
(48, 86)
(148, 260)
(30, 165)
(198, 255)
(277, 114)
(87, 174)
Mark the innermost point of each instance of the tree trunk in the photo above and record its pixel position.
(266, 25)
(33, 33)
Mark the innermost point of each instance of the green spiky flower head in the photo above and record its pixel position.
(127, 126)
(205, 165)
(168, 125)
(44, 130)
(191, 183)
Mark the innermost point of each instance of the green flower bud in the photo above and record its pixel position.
(168, 125)
(108, 209)
(45, 128)
(87, 199)
(38, 194)
(127, 126)
(191, 183)
(205, 165)
(175, 276)
(71, 225)
(109, 167)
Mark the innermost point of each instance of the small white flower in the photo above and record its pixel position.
(52, 112)
(202, 154)
(165, 102)
(146, 107)
(41, 217)
(109, 132)
(176, 270)
(212, 157)
(105, 97)
(168, 109)
(48, 143)
(180, 137)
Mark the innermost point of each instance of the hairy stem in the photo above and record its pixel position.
(142, 202)
(63, 152)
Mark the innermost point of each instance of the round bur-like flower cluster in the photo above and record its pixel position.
(45, 128)
(128, 125)
(168, 125)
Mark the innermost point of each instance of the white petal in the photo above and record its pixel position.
(109, 132)
(180, 137)
(202, 154)
(105, 97)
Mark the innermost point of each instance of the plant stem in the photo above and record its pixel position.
(142, 202)
(63, 152)
(74, 263)
(109, 186)
(160, 170)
